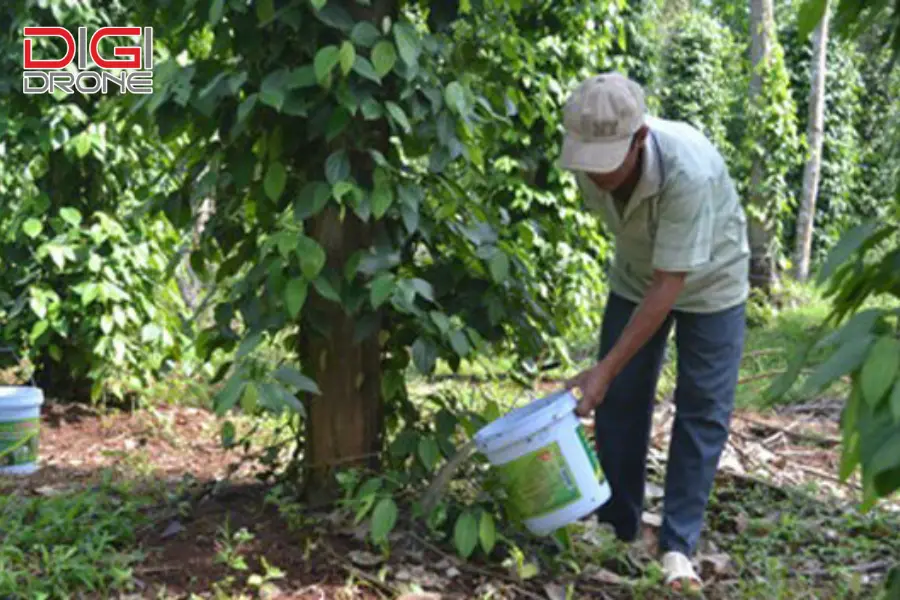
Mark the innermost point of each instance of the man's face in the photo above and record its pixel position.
(612, 180)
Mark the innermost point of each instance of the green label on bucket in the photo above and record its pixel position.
(18, 442)
(592, 454)
(539, 482)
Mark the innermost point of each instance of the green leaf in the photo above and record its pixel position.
(407, 43)
(276, 177)
(290, 376)
(150, 333)
(384, 57)
(846, 248)
(424, 355)
(312, 200)
(71, 216)
(879, 370)
(265, 11)
(364, 34)
(382, 288)
(363, 67)
(245, 108)
(399, 116)
(371, 109)
(423, 288)
(499, 265)
(82, 143)
(895, 402)
(811, 13)
(318, 4)
(455, 97)
(295, 296)
(337, 167)
(229, 395)
(38, 329)
(460, 343)
(326, 290)
(348, 57)
(441, 321)
(301, 77)
(32, 228)
(272, 91)
(57, 254)
(465, 534)
(326, 60)
(382, 198)
(215, 11)
(312, 257)
(487, 532)
(429, 453)
(228, 433)
(384, 518)
(844, 361)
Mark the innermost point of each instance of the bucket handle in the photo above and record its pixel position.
(12, 351)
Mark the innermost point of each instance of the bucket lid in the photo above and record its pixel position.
(16, 396)
(525, 421)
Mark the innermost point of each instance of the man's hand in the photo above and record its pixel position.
(593, 383)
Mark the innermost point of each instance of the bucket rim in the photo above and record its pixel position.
(20, 396)
(512, 427)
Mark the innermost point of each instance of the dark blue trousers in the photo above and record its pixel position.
(709, 355)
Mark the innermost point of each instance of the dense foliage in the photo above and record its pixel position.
(85, 294)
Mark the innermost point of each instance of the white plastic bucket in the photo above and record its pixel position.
(550, 471)
(20, 419)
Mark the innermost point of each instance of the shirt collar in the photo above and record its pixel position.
(651, 175)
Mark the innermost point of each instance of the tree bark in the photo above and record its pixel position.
(344, 426)
(815, 135)
(762, 263)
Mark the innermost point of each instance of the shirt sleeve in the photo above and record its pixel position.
(684, 233)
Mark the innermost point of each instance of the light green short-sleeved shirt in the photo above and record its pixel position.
(684, 215)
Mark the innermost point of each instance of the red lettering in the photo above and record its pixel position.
(131, 51)
(61, 32)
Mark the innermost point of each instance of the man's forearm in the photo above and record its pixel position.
(644, 323)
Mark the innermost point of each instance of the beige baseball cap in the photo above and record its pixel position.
(600, 118)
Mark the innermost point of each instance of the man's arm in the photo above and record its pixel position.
(644, 323)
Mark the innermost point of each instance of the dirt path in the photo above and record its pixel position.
(195, 541)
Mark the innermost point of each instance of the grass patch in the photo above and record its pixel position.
(55, 546)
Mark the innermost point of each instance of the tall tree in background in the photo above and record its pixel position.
(815, 135)
(762, 28)
(771, 144)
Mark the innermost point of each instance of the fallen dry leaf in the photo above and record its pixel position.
(173, 529)
(601, 575)
(717, 564)
(555, 591)
(652, 519)
(49, 490)
(365, 559)
(653, 491)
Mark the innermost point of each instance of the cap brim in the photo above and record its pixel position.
(593, 157)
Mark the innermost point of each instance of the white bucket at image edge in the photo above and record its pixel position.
(550, 470)
(20, 415)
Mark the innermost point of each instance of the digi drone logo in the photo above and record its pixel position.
(133, 63)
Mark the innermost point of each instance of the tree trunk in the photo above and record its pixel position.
(815, 134)
(762, 262)
(344, 426)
